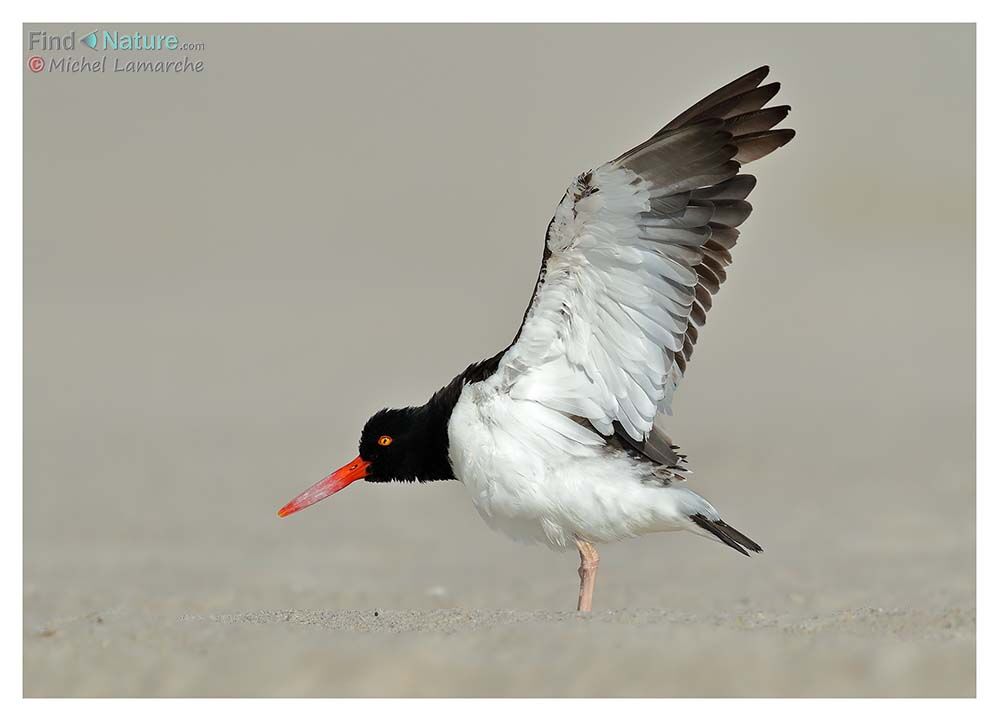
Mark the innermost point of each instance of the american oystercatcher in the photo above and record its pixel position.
(558, 437)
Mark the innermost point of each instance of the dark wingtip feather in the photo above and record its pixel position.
(758, 74)
(754, 146)
(740, 85)
(737, 188)
(756, 121)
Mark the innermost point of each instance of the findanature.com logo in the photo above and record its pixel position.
(111, 41)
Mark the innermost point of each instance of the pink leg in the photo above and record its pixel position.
(589, 559)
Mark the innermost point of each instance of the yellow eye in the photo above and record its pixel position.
(385, 441)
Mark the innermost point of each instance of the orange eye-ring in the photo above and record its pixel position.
(385, 441)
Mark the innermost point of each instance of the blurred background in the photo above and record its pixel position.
(227, 272)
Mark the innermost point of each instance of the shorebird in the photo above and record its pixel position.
(559, 437)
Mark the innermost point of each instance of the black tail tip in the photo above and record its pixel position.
(731, 537)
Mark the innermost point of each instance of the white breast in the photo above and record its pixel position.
(536, 476)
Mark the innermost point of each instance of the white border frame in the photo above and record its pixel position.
(508, 11)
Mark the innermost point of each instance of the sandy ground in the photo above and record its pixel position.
(403, 591)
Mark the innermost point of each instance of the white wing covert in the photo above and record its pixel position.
(633, 255)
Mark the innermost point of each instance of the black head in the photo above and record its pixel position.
(401, 444)
(405, 444)
(397, 444)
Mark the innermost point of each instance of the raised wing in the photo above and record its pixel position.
(633, 256)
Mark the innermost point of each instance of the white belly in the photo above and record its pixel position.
(536, 476)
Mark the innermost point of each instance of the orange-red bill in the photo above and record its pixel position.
(336, 481)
